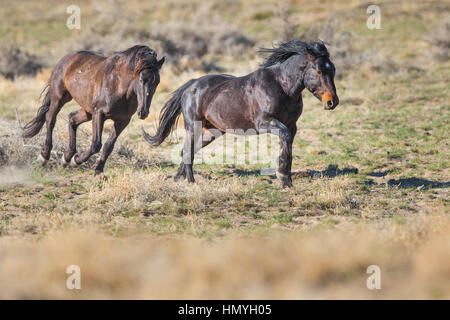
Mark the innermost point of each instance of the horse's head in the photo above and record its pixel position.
(145, 83)
(319, 78)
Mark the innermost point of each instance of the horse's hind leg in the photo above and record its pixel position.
(75, 119)
(188, 155)
(57, 101)
(206, 138)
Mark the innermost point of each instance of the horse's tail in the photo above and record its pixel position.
(168, 117)
(33, 127)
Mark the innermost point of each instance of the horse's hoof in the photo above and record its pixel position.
(63, 161)
(280, 175)
(100, 175)
(73, 163)
(285, 179)
(287, 184)
(41, 160)
(179, 177)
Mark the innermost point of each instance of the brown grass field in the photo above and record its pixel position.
(371, 182)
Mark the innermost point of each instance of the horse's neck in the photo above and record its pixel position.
(290, 75)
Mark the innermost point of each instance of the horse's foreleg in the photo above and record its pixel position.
(109, 144)
(293, 131)
(98, 120)
(75, 119)
(275, 127)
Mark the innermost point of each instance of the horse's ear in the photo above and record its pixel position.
(160, 62)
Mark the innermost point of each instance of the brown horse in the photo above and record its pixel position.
(111, 87)
(267, 100)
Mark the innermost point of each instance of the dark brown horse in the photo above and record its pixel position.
(111, 87)
(267, 100)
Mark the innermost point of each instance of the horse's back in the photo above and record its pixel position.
(77, 70)
(219, 98)
(85, 59)
(210, 81)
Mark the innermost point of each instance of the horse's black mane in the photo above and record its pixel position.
(293, 47)
(140, 57)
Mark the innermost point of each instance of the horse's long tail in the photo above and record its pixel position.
(33, 127)
(168, 117)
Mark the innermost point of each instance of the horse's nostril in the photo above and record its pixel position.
(330, 103)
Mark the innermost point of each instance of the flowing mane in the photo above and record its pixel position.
(140, 57)
(293, 47)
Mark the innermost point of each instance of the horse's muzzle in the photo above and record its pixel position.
(142, 115)
(331, 104)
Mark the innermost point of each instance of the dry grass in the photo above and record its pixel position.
(236, 233)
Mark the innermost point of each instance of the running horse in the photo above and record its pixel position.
(266, 100)
(111, 87)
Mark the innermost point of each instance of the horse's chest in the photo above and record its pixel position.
(292, 111)
(120, 108)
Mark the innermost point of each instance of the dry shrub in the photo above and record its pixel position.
(14, 62)
(287, 28)
(110, 31)
(13, 150)
(233, 43)
(440, 41)
(114, 30)
(195, 40)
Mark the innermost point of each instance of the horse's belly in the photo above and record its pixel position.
(229, 111)
(121, 110)
(225, 118)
